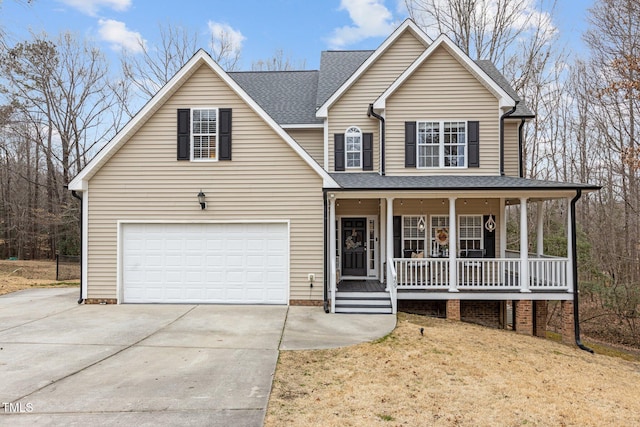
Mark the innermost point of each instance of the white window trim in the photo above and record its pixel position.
(441, 144)
(425, 238)
(459, 224)
(191, 134)
(346, 151)
(430, 240)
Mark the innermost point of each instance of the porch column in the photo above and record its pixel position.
(570, 253)
(332, 250)
(524, 247)
(453, 240)
(389, 242)
(503, 228)
(540, 230)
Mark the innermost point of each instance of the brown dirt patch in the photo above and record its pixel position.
(19, 275)
(456, 374)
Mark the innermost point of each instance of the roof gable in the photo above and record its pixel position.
(407, 25)
(505, 98)
(80, 182)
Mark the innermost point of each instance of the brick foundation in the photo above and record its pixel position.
(433, 308)
(524, 317)
(453, 309)
(540, 319)
(485, 313)
(568, 330)
(100, 301)
(307, 302)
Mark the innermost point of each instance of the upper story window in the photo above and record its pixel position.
(441, 144)
(353, 147)
(204, 134)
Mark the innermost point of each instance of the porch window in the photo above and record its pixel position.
(439, 235)
(441, 144)
(353, 151)
(470, 232)
(413, 236)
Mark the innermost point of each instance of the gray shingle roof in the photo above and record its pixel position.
(374, 181)
(292, 97)
(487, 66)
(289, 97)
(335, 68)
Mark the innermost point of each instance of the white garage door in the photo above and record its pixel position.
(205, 263)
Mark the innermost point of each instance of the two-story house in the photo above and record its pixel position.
(381, 179)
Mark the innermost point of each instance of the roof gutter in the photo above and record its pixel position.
(520, 149)
(576, 311)
(74, 194)
(504, 116)
(370, 113)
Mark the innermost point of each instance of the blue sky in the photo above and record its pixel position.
(301, 28)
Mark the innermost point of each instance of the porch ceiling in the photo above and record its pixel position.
(377, 182)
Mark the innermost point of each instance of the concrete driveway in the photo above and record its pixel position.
(68, 364)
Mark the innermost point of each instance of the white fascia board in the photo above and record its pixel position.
(504, 99)
(409, 24)
(144, 114)
(303, 126)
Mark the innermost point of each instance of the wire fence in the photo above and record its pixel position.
(67, 267)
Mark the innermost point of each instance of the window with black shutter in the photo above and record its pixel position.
(204, 134)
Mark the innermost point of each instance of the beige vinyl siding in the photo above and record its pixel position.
(511, 150)
(442, 89)
(266, 180)
(429, 207)
(357, 207)
(351, 109)
(312, 140)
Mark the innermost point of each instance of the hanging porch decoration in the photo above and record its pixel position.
(490, 225)
(442, 236)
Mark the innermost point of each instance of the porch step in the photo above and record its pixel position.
(363, 302)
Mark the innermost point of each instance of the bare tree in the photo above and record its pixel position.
(278, 62)
(59, 92)
(152, 66)
(484, 29)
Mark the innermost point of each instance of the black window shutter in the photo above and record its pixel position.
(489, 239)
(338, 142)
(224, 134)
(397, 236)
(367, 152)
(410, 144)
(184, 133)
(473, 130)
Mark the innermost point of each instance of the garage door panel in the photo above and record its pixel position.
(217, 263)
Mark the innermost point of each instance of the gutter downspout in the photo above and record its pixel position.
(74, 194)
(576, 311)
(370, 113)
(325, 290)
(504, 116)
(520, 160)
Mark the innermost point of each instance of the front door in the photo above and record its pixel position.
(354, 247)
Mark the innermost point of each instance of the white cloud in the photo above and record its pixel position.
(370, 19)
(120, 37)
(225, 35)
(91, 7)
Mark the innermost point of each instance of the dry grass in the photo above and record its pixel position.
(456, 374)
(19, 275)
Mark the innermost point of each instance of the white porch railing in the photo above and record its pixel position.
(549, 273)
(477, 274)
(392, 285)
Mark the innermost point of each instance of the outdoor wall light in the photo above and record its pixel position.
(201, 197)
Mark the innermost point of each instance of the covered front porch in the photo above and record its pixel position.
(446, 245)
